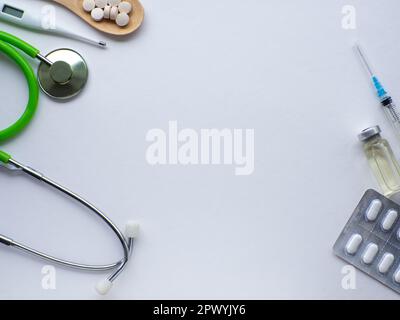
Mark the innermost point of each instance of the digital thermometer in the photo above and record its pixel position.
(18, 16)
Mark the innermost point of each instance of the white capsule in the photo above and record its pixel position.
(113, 13)
(125, 7)
(370, 253)
(385, 263)
(114, 3)
(373, 210)
(396, 275)
(389, 220)
(88, 5)
(101, 3)
(122, 19)
(97, 14)
(353, 244)
(107, 10)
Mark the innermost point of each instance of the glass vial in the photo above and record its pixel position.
(381, 160)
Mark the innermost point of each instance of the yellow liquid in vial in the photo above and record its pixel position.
(384, 165)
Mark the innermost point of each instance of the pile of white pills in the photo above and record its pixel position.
(115, 10)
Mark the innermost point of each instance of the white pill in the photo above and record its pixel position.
(113, 13)
(101, 3)
(396, 276)
(370, 253)
(88, 5)
(389, 220)
(353, 244)
(107, 10)
(125, 7)
(114, 3)
(97, 14)
(386, 263)
(122, 19)
(373, 210)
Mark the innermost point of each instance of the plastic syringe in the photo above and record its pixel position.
(391, 110)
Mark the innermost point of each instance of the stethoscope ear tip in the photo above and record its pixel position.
(103, 287)
(132, 229)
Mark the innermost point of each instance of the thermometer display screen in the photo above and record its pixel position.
(13, 11)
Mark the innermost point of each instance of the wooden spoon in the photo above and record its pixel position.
(107, 26)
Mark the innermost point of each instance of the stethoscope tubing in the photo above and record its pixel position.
(7, 44)
(127, 244)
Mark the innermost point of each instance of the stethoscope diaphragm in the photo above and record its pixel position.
(63, 74)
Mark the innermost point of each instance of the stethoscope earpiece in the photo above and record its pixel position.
(62, 74)
(131, 232)
(126, 240)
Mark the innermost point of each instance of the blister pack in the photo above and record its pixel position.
(370, 240)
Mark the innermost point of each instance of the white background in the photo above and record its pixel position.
(283, 68)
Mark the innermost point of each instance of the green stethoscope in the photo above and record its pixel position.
(62, 74)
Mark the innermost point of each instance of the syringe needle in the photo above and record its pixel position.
(391, 110)
(380, 90)
(364, 59)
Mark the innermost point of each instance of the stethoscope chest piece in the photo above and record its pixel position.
(63, 75)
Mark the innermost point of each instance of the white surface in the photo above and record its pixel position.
(283, 68)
